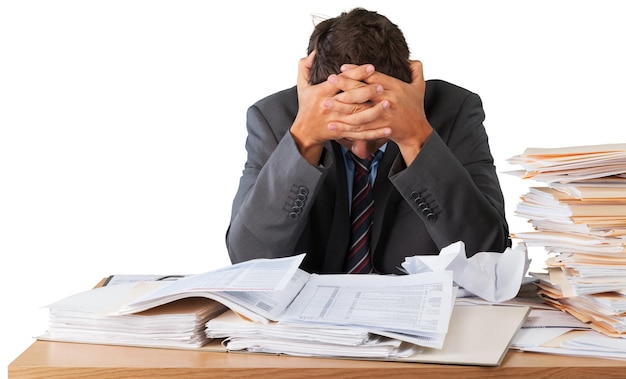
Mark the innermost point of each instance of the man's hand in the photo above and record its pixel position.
(338, 108)
(399, 110)
(360, 104)
(405, 113)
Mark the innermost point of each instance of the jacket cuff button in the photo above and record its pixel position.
(415, 195)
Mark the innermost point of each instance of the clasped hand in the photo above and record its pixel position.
(361, 109)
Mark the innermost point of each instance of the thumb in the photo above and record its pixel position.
(304, 68)
(417, 71)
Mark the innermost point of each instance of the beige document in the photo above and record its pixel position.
(572, 152)
(477, 335)
(572, 164)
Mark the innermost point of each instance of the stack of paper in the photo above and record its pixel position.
(601, 164)
(275, 307)
(579, 217)
(555, 332)
(410, 308)
(478, 335)
(85, 317)
(174, 313)
(351, 316)
(304, 340)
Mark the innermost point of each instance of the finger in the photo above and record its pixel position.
(346, 67)
(357, 72)
(359, 94)
(378, 77)
(367, 134)
(344, 83)
(368, 118)
(304, 69)
(346, 108)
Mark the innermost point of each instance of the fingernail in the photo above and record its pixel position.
(385, 104)
(379, 88)
(332, 79)
(328, 104)
(369, 68)
(332, 126)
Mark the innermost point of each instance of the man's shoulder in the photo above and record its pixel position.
(442, 96)
(438, 87)
(288, 96)
(279, 109)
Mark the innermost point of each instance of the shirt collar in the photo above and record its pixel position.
(382, 148)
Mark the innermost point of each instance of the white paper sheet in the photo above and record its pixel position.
(415, 305)
(260, 289)
(495, 277)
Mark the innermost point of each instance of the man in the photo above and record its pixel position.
(359, 96)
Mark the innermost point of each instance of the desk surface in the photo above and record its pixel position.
(72, 360)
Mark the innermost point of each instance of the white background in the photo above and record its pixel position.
(122, 123)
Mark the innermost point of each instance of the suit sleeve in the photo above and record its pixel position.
(275, 193)
(453, 185)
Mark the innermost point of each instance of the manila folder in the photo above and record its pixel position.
(477, 335)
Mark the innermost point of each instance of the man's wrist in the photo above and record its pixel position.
(310, 151)
(409, 151)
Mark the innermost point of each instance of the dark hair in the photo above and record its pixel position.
(358, 37)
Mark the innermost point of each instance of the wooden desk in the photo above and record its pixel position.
(68, 360)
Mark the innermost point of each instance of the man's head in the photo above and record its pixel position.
(358, 37)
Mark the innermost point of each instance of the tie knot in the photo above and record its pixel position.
(363, 164)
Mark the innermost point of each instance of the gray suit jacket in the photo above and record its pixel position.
(285, 206)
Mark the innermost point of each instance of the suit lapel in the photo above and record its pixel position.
(339, 236)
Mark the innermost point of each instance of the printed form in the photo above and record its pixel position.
(405, 307)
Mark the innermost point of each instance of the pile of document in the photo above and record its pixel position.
(272, 306)
(270, 300)
(578, 213)
(350, 316)
(305, 340)
(86, 317)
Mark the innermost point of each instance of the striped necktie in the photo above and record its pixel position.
(358, 260)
